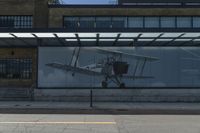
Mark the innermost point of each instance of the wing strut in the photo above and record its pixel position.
(75, 56)
(139, 70)
(143, 65)
(136, 67)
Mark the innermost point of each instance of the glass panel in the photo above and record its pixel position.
(119, 22)
(167, 22)
(24, 35)
(151, 22)
(65, 35)
(108, 35)
(150, 34)
(135, 22)
(191, 35)
(6, 35)
(87, 22)
(184, 22)
(196, 22)
(71, 22)
(85, 35)
(103, 22)
(171, 35)
(45, 35)
(129, 35)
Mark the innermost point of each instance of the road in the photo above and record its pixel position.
(60, 123)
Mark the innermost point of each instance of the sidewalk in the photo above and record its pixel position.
(99, 108)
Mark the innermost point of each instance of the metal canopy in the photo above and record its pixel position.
(62, 38)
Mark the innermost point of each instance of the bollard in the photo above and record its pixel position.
(91, 98)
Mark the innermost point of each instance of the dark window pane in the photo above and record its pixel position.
(196, 22)
(87, 22)
(168, 22)
(119, 22)
(135, 22)
(151, 22)
(71, 22)
(103, 22)
(6, 23)
(184, 22)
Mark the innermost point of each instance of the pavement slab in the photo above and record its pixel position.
(31, 107)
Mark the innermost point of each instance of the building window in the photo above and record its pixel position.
(103, 22)
(167, 22)
(184, 22)
(129, 22)
(151, 22)
(15, 68)
(16, 22)
(196, 22)
(71, 22)
(87, 22)
(135, 22)
(119, 22)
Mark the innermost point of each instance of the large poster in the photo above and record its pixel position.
(118, 67)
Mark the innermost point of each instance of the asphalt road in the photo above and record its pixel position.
(59, 123)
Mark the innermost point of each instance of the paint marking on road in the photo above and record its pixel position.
(95, 123)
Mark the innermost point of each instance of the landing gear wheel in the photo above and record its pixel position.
(104, 84)
(122, 85)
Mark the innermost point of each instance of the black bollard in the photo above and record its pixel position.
(91, 98)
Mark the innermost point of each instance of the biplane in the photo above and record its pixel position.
(112, 67)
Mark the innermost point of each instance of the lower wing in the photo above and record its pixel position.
(74, 69)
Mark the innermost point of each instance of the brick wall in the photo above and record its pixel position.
(16, 7)
(41, 14)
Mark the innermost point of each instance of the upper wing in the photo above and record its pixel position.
(119, 53)
(74, 69)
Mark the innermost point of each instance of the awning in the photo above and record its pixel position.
(33, 38)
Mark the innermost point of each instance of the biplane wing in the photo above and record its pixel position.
(74, 69)
(119, 53)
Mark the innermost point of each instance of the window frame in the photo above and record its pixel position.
(16, 68)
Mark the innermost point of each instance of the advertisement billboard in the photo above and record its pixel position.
(121, 67)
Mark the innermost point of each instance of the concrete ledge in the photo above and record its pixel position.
(98, 108)
(119, 95)
(14, 94)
